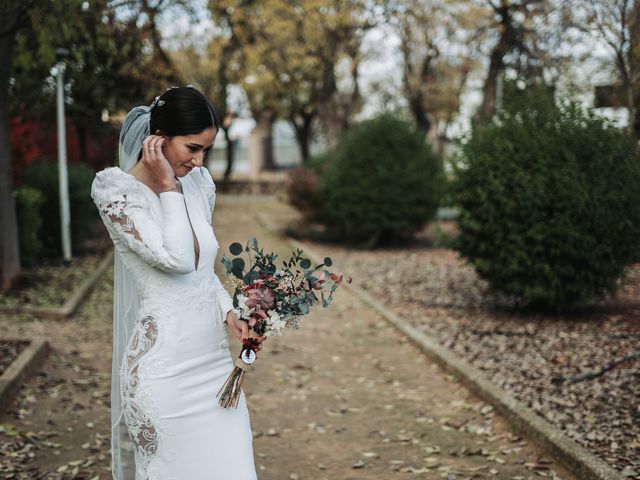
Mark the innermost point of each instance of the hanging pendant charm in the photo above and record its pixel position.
(248, 356)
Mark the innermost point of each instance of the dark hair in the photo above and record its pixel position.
(182, 111)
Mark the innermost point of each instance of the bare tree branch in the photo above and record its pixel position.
(599, 373)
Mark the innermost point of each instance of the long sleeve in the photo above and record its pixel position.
(207, 187)
(126, 214)
(225, 300)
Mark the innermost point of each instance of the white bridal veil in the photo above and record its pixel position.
(125, 305)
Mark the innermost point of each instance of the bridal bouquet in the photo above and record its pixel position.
(271, 299)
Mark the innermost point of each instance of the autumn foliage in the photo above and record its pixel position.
(33, 140)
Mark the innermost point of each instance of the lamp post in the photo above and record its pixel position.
(63, 178)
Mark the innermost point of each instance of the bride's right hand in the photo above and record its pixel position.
(240, 328)
(156, 163)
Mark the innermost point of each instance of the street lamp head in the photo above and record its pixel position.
(61, 54)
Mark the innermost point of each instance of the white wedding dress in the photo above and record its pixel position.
(177, 353)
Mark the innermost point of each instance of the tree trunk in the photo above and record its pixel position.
(330, 123)
(156, 40)
(269, 160)
(302, 126)
(328, 108)
(634, 70)
(9, 248)
(416, 105)
(412, 88)
(266, 125)
(260, 144)
(509, 39)
(230, 154)
(490, 89)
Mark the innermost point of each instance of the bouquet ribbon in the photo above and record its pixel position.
(229, 393)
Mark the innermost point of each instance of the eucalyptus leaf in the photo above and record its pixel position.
(235, 248)
(237, 272)
(251, 277)
(238, 263)
(303, 307)
(305, 263)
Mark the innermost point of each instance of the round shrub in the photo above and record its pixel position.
(43, 176)
(302, 193)
(382, 182)
(29, 201)
(302, 188)
(549, 199)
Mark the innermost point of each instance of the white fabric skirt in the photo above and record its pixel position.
(181, 431)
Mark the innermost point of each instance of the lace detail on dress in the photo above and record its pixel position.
(115, 212)
(129, 218)
(139, 410)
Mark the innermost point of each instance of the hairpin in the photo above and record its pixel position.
(175, 86)
(156, 101)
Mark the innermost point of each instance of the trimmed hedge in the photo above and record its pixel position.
(43, 176)
(550, 203)
(29, 201)
(382, 183)
(302, 188)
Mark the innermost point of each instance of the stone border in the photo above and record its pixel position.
(24, 365)
(570, 454)
(72, 303)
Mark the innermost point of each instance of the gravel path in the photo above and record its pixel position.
(534, 357)
(346, 397)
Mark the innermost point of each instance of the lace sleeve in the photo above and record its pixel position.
(126, 214)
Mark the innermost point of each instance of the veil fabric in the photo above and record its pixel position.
(135, 129)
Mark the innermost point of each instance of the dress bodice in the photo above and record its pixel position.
(153, 233)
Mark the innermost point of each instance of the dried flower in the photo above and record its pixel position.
(271, 299)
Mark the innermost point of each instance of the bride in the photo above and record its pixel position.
(170, 345)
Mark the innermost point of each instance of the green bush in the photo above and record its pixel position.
(382, 183)
(43, 176)
(302, 188)
(549, 199)
(302, 193)
(29, 201)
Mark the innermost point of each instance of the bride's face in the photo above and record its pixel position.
(187, 151)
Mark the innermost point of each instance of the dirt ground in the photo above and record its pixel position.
(346, 397)
(577, 370)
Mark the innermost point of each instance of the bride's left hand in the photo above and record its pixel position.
(240, 328)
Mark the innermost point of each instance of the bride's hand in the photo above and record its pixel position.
(240, 328)
(156, 163)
